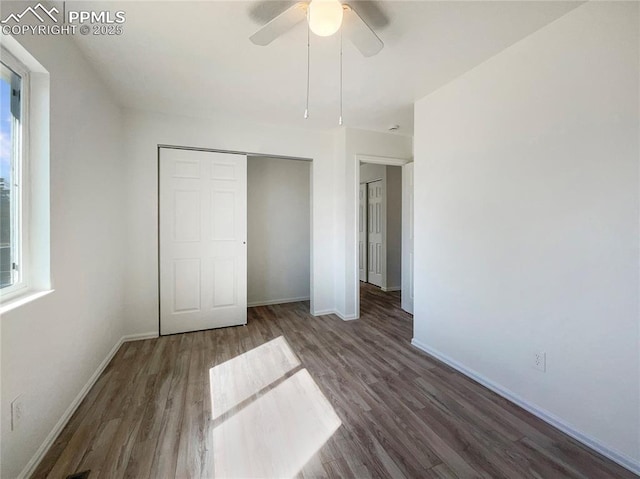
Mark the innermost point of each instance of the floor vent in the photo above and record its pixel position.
(79, 475)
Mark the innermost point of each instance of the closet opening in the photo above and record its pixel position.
(278, 231)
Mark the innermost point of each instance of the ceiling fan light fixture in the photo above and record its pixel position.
(325, 17)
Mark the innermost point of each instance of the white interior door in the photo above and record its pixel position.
(407, 238)
(362, 232)
(375, 256)
(203, 229)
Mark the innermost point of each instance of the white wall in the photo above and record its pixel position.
(370, 172)
(52, 346)
(349, 143)
(278, 226)
(145, 131)
(526, 222)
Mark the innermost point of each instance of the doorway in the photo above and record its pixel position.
(383, 246)
(380, 226)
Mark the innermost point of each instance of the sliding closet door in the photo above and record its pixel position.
(362, 232)
(376, 256)
(203, 230)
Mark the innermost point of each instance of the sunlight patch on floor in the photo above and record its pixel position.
(236, 380)
(275, 433)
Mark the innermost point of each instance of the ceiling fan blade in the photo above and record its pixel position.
(360, 34)
(281, 24)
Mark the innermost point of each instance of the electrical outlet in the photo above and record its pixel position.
(540, 361)
(17, 412)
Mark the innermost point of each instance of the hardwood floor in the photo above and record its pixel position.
(308, 397)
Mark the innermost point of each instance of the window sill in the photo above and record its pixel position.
(27, 297)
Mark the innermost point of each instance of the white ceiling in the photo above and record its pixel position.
(195, 58)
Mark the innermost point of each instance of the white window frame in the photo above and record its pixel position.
(21, 286)
(35, 279)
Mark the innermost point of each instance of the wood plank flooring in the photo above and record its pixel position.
(295, 395)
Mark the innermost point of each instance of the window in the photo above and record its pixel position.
(13, 80)
(25, 266)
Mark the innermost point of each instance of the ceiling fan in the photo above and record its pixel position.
(325, 17)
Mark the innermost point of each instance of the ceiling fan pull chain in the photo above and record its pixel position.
(340, 119)
(306, 110)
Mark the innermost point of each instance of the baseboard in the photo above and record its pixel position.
(617, 457)
(323, 312)
(389, 289)
(343, 317)
(346, 317)
(31, 466)
(139, 336)
(277, 301)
